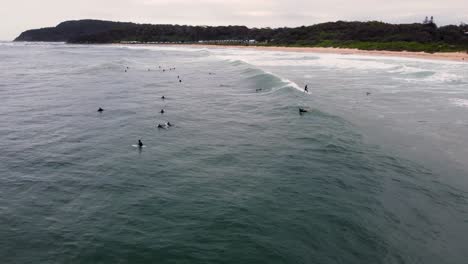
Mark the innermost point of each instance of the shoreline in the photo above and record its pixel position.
(443, 56)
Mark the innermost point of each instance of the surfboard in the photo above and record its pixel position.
(136, 146)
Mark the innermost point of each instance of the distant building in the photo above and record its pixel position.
(130, 42)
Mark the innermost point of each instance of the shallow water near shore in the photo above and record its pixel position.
(240, 177)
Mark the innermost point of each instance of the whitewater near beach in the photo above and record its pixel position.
(375, 172)
(444, 56)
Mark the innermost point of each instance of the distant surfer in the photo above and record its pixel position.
(368, 93)
(302, 110)
(306, 89)
(165, 125)
(180, 80)
(140, 144)
(162, 111)
(100, 110)
(163, 97)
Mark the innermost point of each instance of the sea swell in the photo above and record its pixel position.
(242, 176)
(263, 80)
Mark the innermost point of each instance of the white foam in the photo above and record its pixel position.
(406, 69)
(286, 82)
(289, 83)
(436, 77)
(445, 77)
(160, 48)
(459, 102)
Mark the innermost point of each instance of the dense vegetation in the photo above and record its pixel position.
(69, 30)
(362, 35)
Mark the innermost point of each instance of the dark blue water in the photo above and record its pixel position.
(240, 177)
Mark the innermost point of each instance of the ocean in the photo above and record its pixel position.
(375, 172)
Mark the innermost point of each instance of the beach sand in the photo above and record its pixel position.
(450, 56)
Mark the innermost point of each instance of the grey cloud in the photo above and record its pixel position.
(19, 15)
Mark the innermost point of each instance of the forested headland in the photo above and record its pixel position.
(425, 36)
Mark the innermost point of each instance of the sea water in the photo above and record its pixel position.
(375, 172)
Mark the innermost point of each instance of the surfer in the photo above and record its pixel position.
(163, 97)
(162, 111)
(180, 80)
(306, 89)
(140, 144)
(165, 125)
(302, 110)
(368, 93)
(100, 110)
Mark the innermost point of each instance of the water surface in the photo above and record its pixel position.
(241, 177)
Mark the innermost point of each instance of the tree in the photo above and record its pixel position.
(426, 20)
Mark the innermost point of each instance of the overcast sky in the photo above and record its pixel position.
(19, 15)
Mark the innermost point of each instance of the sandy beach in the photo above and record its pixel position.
(450, 56)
